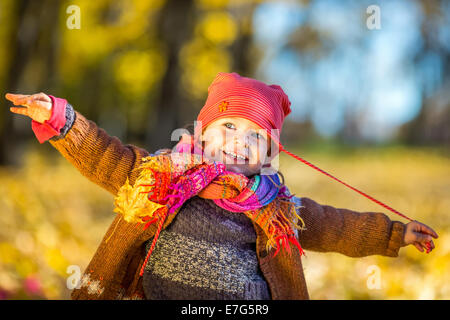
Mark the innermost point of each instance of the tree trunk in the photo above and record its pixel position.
(175, 26)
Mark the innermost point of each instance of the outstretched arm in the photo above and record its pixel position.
(354, 234)
(101, 158)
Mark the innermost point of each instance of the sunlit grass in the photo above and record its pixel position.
(53, 217)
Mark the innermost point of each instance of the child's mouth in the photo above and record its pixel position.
(231, 156)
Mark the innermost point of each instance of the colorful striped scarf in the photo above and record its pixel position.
(167, 181)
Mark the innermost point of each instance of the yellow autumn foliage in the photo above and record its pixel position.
(134, 205)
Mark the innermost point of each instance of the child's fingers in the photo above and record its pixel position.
(429, 246)
(432, 245)
(423, 246)
(431, 232)
(17, 99)
(18, 110)
(426, 229)
(421, 237)
(418, 246)
(12, 96)
(24, 101)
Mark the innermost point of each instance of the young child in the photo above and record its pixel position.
(209, 219)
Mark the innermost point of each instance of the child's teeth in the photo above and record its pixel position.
(235, 155)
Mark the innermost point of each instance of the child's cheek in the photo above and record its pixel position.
(258, 154)
(213, 143)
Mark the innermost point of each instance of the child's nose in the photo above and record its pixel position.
(240, 140)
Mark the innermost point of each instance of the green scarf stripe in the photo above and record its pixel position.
(256, 183)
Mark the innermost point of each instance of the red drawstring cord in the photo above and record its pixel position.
(360, 192)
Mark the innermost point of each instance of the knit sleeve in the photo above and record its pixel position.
(354, 234)
(103, 159)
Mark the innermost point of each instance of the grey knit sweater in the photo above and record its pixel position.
(206, 253)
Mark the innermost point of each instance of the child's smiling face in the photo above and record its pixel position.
(238, 143)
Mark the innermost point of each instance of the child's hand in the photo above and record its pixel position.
(419, 235)
(37, 106)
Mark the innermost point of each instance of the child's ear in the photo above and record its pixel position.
(269, 149)
(268, 159)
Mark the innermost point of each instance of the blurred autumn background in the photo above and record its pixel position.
(370, 106)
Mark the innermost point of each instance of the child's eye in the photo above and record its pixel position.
(257, 135)
(229, 125)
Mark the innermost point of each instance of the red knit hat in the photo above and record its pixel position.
(231, 95)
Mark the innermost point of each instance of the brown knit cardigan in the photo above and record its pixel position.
(113, 272)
